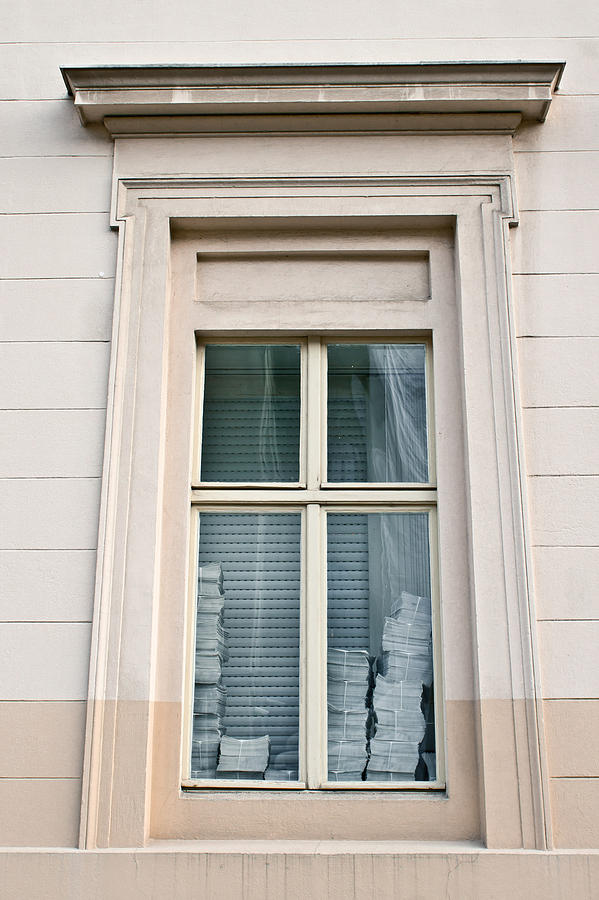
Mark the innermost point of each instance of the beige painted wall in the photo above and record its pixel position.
(57, 278)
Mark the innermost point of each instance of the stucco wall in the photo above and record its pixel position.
(57, 269)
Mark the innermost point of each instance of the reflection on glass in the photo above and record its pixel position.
(376, 413)
(379, 658)
(251, 415)
(246, 692)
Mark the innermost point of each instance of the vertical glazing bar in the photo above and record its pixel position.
(190, 636)
(437, 647)
(198, 415)
(315, 655)
(314, 389)
(430, 413)
(303, 447)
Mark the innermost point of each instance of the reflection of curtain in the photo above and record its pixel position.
(396, 452)
(398, 558)
(268, 441)
(396, 432)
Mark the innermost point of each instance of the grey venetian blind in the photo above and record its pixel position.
(260, 558)
(348, 624)
(251, 414)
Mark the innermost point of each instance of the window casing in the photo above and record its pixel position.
(359, 164)
(352, 501)
(133, 764)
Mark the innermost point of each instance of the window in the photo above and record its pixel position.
(319, 584)
(240, 218)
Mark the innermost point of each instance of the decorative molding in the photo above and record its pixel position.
(153, 191)
(120, 720)
(450, 94)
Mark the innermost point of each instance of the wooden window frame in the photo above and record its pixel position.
(314, 497)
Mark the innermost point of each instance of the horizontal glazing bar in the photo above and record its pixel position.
(281, 497)
(193, 784)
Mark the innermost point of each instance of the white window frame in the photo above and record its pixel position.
(314, 497)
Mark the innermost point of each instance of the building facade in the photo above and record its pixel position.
(368, 236)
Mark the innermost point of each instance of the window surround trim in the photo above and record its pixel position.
(144, 233)
(481, 203)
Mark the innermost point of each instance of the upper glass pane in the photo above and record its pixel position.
(376, 413)
(246, 692)
(380, 695)
(251, 416)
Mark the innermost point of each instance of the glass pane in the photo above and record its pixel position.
(376, 413)
(251, 421)
(380, 663)
(246, 693)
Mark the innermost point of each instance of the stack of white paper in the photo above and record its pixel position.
(348, 686)
(405, 665)
(210, 699)
(210, 653)
(243, 757)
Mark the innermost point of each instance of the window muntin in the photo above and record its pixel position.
(321, 500)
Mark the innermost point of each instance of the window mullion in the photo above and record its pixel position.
(314, 663)
(313, 414)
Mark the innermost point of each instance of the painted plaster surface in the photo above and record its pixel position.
(56, 282)
(322, 870)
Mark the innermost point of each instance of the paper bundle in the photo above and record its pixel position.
(349, 678)
(406, 643)
(243, 757)
(210, 653)
(210, 699)
(404, 666)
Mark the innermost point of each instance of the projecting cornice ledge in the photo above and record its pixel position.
(472, 96)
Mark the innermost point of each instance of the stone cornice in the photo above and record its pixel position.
(461, 96)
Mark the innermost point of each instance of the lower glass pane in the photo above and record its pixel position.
(380, 663)
(246, 693)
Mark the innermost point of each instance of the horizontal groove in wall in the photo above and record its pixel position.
(596, 272)
(58, 408)
(28, 278)
(574, 778)
(522, 209)
(565, 619)
(556, 337)
(75, 622)
(54, 155)
(55, 477)
(5, 778)
(558, 406)
(571, 475)
(562, 150)
(58, 212)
